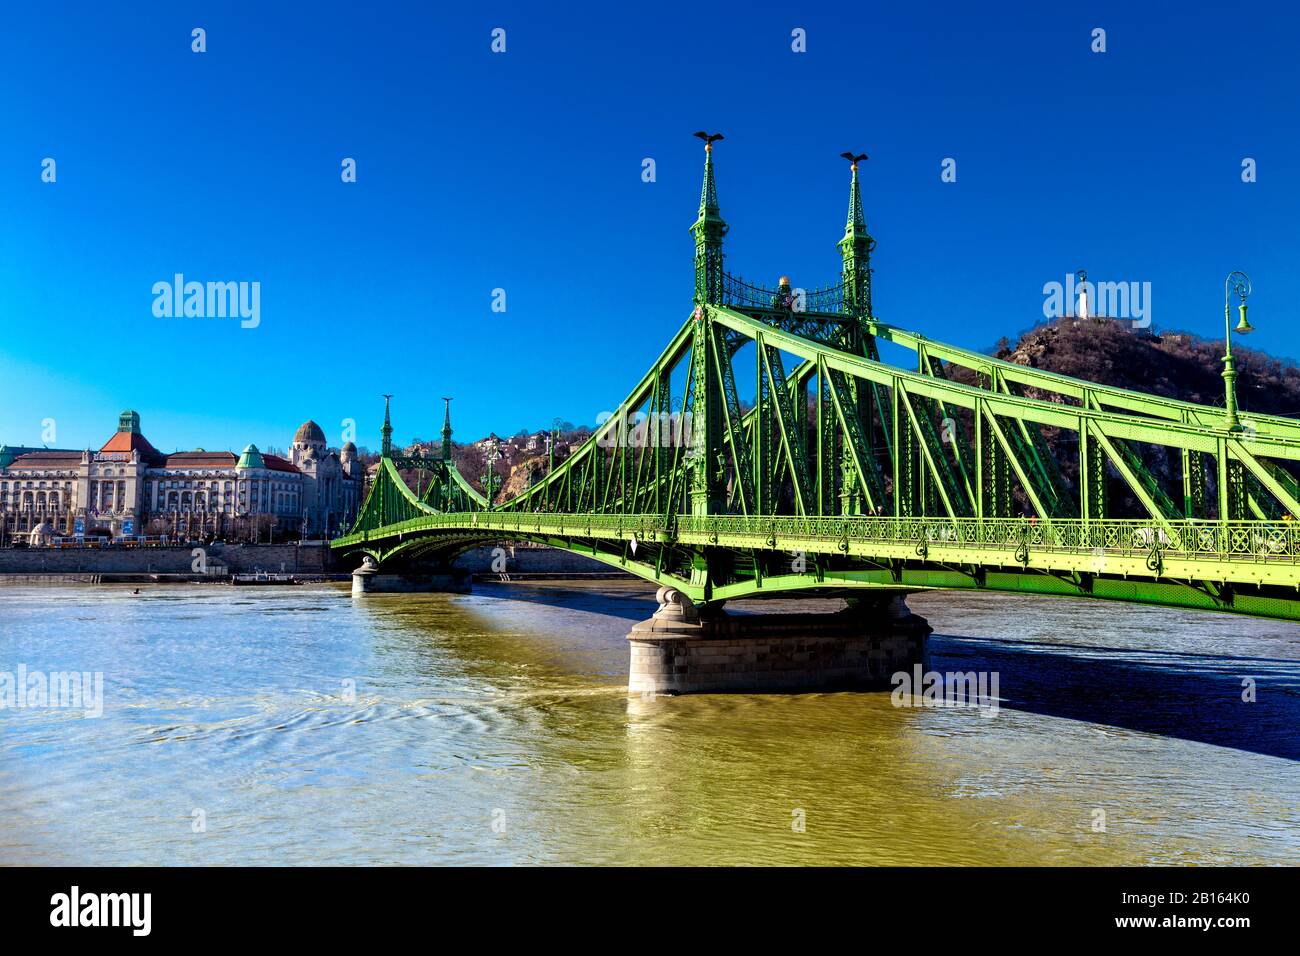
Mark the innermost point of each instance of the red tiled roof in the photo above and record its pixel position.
(201, 459)
(47, 459)
(276, 463)
(133, 441)
(222, 459)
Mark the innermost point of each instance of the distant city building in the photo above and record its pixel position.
(331, 482)
(130, 488)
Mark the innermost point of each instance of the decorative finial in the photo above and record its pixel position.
(708, 139)
(854, 160)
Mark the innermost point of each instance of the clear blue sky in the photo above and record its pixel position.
(522, 171)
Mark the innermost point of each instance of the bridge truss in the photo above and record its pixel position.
(769, 449)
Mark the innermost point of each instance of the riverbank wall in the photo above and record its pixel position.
(309, 560)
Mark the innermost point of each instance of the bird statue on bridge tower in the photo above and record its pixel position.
(856, 248)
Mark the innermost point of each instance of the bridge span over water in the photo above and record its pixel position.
(769, 450)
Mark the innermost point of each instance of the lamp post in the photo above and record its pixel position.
(1239, 283)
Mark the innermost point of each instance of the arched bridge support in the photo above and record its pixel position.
(404, 577)
(683, 649)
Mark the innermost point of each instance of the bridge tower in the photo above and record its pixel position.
(708, 490)
(855, 251)
(446, 429)
(709, 228)
(447, 481)
(386, 445)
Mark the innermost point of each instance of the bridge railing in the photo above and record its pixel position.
(739, 294)
(1243, 539)
(1231, 541)
(1190, 538)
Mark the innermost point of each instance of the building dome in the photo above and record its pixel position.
(348, 452)
(309, 432)
(251, 458)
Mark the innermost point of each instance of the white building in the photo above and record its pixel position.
(128, 486)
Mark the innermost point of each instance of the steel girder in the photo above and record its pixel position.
(1087, 393)
(885, 478)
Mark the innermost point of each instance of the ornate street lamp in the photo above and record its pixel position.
(1239, 283)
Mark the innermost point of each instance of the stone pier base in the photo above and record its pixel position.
(367, 579)
(680, 651)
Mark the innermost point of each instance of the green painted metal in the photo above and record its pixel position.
(845, 472)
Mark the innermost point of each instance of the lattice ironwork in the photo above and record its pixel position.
(746, 297)
(880, 476)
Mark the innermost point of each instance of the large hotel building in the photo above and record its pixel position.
(129, 488)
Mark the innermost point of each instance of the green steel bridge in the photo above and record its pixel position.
(838, 472)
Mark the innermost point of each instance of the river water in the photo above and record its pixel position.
(301, 726)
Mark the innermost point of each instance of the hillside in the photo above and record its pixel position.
(1175, 365)
(1170, 364)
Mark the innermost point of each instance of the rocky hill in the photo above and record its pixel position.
(1175, 365)
(1171, 364)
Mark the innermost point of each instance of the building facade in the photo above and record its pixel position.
(129, 488)
(331, 481)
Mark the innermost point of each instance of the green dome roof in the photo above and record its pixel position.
(251, 458)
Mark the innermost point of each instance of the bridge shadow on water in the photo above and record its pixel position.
(1178, 694)
(1196, 697)
(631, 600)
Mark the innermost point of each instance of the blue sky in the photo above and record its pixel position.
(522, 171)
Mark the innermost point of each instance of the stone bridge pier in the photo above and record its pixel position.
(369, 578)
(687, 650)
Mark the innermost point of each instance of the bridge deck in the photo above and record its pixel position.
(1189, 564)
